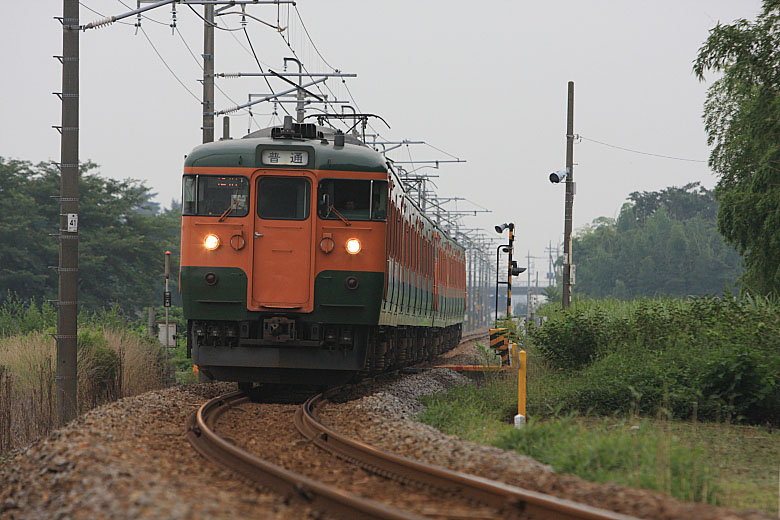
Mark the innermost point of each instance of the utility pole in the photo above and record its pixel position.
(567, 222)
(208, 73)
(67, 304)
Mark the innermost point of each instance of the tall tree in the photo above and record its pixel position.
(122, 237)
(662, 243)
(742, 120)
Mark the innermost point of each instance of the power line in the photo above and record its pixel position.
(310, 39)
(215, 84)
(442, 151)
(249, 40)
(287, 41)
(640, 152)
(167, 67)
(100, 14)
(142, 16)
(216, 26)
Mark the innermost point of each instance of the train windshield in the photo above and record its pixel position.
(352, 199)
(215, 196)
(283, 198)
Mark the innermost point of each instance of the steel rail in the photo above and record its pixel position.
(200, 433)
(510, 499)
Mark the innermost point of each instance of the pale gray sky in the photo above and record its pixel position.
(485, 81)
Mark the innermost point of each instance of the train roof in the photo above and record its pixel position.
(319, 141)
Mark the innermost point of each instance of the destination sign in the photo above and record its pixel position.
(285, 157)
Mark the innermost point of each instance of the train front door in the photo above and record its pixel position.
(283, 241)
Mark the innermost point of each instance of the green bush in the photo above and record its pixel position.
(717, 357)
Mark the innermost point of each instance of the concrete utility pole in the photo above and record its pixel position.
(67, 303)
(567, 222)
(208, 74)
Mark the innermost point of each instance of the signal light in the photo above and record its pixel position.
(517, 270)
(353, 246)
(211, 242)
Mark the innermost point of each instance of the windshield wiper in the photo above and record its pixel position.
(338, 214)
(229, 210)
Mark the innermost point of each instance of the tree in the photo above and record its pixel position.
(122, 237)
(742, 120)
(662, 243)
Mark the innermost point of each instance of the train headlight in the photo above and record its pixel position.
(353, 246)
(211, 242)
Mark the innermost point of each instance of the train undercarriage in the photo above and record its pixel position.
(287, 352)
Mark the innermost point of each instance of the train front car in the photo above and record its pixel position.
(283, 266)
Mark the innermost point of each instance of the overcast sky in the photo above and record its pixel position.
(483, 81)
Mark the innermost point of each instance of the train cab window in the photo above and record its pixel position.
(352, 199)
(283, 198)
(215, 196)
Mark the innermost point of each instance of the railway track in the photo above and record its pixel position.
(512, 502)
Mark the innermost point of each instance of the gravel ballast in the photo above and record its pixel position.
(130, 459)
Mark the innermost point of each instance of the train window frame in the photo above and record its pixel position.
(198, 201)
(377, 209)
(306, 204)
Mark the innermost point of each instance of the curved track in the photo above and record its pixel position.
(512, 501)
(200, 433)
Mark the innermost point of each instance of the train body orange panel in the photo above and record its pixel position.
(282, 256)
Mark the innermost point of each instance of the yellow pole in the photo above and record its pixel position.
(521, 375)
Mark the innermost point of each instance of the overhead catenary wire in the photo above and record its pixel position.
(639, 151)
(167, 66)
(200, 65)
(249, 40)
(142, 16)
(100, 14)
(213, 24)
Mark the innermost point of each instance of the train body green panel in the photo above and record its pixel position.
(247, 153)
(335, 303)
(224, 300)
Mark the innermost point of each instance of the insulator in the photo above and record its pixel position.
(103, 22)
(230, 110)
(231, 74)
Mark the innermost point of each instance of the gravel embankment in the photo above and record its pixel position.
(130, 459)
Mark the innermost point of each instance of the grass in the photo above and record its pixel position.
(716, 463)
(111, 364)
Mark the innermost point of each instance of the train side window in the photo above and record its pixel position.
(352, 199)
(217, 195)
(283, 198)
(189, 190)
(378, 200)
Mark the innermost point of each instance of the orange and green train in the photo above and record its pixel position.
(303, 261)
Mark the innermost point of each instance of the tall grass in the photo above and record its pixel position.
(111, 364)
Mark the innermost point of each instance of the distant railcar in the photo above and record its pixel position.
(303, 261)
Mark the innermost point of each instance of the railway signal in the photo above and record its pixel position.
(512, 269)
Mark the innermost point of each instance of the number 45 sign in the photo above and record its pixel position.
(73, 222)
